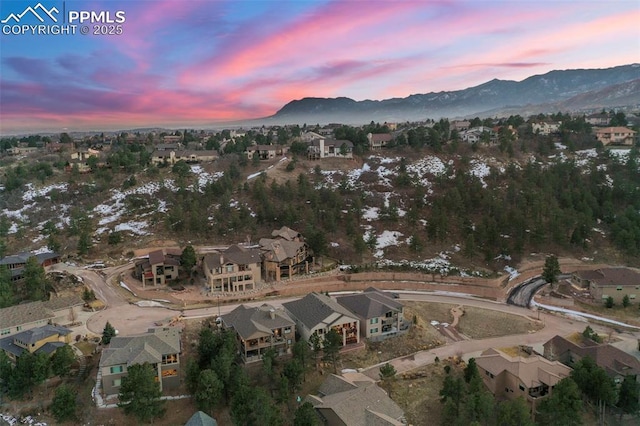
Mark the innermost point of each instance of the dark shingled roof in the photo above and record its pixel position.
(156, 257)
(58, 303)
(201, 419)
(611, 277)
(32, 336)
(147, 347)
(251, 323)
(235, 254)
(314, 309)
(370, 304)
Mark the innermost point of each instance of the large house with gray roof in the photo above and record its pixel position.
(355, 400)
(235, 269)
(46, 339)
(317, 314)
(26, 316)
(380, 315)
(160, 347)
(259, 329)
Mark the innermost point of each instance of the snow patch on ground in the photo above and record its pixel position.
(371, 213)
(205, 178)
(560, 146)
(585, 156)
(480, 170)
(31, 193)
(426, 166)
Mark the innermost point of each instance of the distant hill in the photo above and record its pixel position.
(567, 89)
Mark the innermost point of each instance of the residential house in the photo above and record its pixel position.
(285, 254)
(380, 315)
(598, 119)
(265, 152)
(460, 125)
(476, 134)
(510, 377)
(379, 140)
(616, 136)
(26, 316)
(318, 313)
(605, 282)
(172, 156)
(617, 363)
(235, 269)
(310, 136)
(259, 329)
(172, 139)
(44, 339)
(546, 127)
(158, 268)
(355, 400)
(15, 263)
(22, 149)
(323, 148)
(83, 154)
(160, 347)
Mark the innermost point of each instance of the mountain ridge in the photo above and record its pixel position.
(551, 88)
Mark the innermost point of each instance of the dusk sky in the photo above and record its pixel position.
(183, 63)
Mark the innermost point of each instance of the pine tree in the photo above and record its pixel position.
(108, 333)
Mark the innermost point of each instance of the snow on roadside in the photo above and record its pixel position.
(513, 273)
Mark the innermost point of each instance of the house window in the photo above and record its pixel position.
(619, 288)
(116, 383)
(288, 341)
(632, 296)
(374, 321)
(5, 332)
(229, 268)
(19, 328)
(521, 387)
(374, 330)
(287, 330)
(169, 373)
(605, 296)
(116, 369)
(170, 359)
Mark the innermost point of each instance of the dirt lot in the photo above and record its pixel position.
(418, 393)
(476, 323)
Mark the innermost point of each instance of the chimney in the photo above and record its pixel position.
(221, 260)
(272, 313)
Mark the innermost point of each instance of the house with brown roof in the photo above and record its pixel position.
(160, 347)
(235, 269)
(259, 329)
(509, 377)
(285, 254)
(380, 316)
(15, 263)
(616, 136)
(355, 400)
(317, 313)
(604, 282)
(172, 156)
(616, 362)
(379, 140)
(45, 339)
(546, 127)
(158, 268)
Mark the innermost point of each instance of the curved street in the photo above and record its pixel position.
(131, 319)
